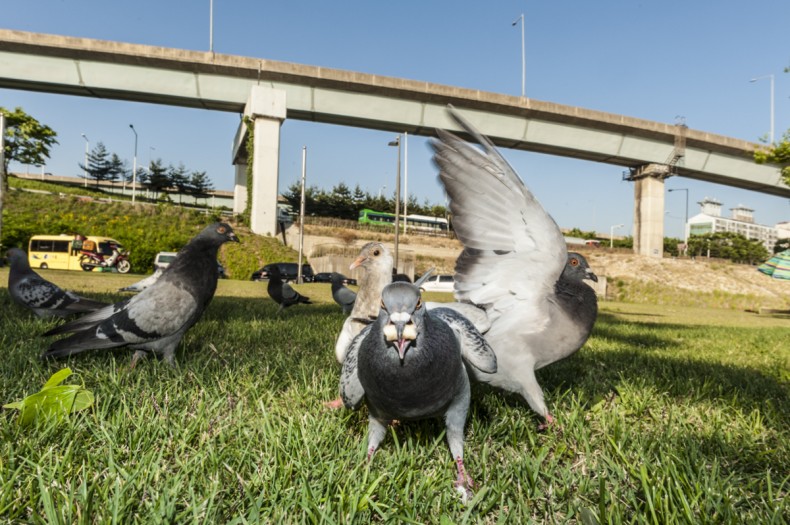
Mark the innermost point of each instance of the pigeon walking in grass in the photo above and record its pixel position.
(282, 293)
(411, 364)
(514, 265)
(156, 319)
(341, 294)
(42, 297)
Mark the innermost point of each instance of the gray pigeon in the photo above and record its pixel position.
(44, 298)
(341, 294)
(283, 293)
(514, 265)
(156, 318)
(411, 364)
(376, 261)
(142, 284)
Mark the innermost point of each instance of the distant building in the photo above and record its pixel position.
(741, 221)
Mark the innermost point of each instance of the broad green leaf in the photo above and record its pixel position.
(54, 400)
(57, 378)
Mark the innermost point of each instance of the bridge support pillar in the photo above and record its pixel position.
(240, 188)
(266, 108)
(649, 209)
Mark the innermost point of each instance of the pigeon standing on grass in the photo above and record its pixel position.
(376, 261)
(342, 295)
(281, 292)
(44, 298)
(411, 364)
(514, 265)
(156, 319)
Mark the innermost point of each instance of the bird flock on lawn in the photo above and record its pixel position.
(521, 304)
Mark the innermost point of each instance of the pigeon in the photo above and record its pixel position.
(281, 292)
(342, 295)
(376, 261)
(44, 298)
(156, 319)
(142, 284)
(412, 364)
(514, 265)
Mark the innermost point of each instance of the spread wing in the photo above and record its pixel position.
(514, 252)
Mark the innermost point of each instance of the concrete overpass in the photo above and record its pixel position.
(270, 91)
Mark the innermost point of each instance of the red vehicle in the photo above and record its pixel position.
(104, 254)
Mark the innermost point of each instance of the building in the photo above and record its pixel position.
(709, 220)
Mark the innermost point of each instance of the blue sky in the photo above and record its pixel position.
(651, 60)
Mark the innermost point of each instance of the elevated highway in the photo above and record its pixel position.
(273, 91)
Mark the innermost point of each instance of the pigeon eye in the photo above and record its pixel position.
(221, 230)
(419, 303)
(376, 252)
(574, 262)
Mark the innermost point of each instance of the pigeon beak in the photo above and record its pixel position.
(590, 275)
(401, 331)
(357, 262)
(232, 237)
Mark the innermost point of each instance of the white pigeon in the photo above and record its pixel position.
(156, 319)
(514, 265)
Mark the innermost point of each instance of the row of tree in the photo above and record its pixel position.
(103, 166)
(343, 203)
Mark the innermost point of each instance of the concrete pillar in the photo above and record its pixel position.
(649, 209)
(266, 107)
(240, 189)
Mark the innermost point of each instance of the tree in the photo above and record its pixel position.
(779, 154)
(27, 141)
(99, 165)
(200, 185)
(117, 168)
(158, 177)
(180, 179)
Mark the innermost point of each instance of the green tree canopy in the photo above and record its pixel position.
(27, 141)
(99, 164)
(779, 154)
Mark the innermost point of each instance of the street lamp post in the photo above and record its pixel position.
(405, 182)
(686, 216)
(771, 78)
(523, 58)
(134, 165)
(85, 166)
(396, 142)
(611, 234)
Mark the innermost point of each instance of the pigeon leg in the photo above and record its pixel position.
(335, 404)
(139, 354)
(546, 424)
(455, 419)
(533, 394)
(377, 429)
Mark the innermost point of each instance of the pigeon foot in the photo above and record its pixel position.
(463, 483)
(335, 404)
(545, 425)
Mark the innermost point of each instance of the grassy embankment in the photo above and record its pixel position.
(667, 415)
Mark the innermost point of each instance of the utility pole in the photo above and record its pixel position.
(2, 172)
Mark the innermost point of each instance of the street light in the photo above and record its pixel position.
(686, 217)
(611, 234)
(134, 165)
(396, 142)
(85, 166)
(211, 26)
(771, 77)
(523, 58)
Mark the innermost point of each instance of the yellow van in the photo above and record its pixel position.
(64, 252)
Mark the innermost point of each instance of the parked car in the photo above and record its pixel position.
(163, 260)
(288, 271)
(438, 283)
(326, 277)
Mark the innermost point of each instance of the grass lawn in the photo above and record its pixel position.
(667, 415)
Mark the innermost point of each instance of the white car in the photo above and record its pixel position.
(438, 283)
